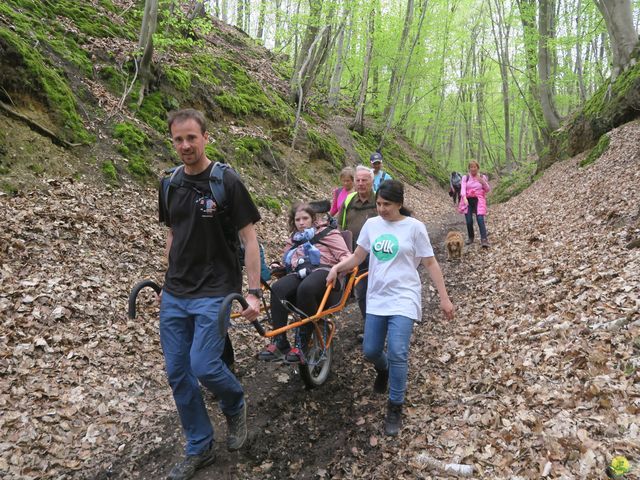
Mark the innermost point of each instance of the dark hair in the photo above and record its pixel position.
(393, 191)
(187, 114)
(295, 208)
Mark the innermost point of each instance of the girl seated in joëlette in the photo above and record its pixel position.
(310, 252)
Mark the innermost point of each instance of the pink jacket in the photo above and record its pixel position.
(332, 248)
(471, 187)
(339, 194)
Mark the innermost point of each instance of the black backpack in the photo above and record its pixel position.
(456, 179)
(176, 179)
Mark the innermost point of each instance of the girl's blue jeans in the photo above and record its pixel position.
(396, 330)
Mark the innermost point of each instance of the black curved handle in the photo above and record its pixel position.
(226, 307)
(134, 294)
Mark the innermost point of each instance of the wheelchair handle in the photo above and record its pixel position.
(226, 307)
(134, 294)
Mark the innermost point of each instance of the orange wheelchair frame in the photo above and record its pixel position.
(318, 353)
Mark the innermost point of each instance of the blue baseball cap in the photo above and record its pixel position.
(375, 157)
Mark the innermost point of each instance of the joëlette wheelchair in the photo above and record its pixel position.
(318, 351)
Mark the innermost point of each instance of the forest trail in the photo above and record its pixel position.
(538, 372)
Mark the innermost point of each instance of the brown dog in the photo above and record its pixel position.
(454, 244)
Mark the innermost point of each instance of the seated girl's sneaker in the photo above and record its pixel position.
(272, 353)
(295, 355)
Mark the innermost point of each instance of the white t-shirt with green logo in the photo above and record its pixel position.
(396, 249)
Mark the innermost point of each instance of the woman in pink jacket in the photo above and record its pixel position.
(310, 252)
(475, 187)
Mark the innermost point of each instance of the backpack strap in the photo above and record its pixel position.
(345, 205)
(173, 181)
(216, 184)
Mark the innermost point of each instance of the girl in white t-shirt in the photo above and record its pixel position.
(397, 244)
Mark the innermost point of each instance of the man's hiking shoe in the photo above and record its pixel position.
(469, 241)
(237, 429)
(272, 353)
(380, 383)
(484, 243)
(294, 356)
(393, 420)
(187, 467)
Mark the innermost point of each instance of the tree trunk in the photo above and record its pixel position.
(501, 32)
(278, 25)
(527, 10)
(145, 44)
(224, 11)
(197, 10)
(261, 18)
(240, 14)
(358, 122)
(408, 20)
(579, 60)
(394, 101)
(311, 32)
(546, 59)
(336, 78)
(623, 36)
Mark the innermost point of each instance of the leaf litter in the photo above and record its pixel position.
(537, 376)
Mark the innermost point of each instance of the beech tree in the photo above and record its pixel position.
(145, 45)
(623, 37)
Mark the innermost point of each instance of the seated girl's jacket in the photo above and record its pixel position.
(330, 250)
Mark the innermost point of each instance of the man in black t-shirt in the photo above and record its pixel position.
(202, 245)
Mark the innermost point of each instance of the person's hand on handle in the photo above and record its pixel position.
(333, 275)
(253, 312)
(447, 308)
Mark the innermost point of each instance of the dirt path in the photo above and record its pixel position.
(294, 432)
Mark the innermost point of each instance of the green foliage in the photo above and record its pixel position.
(326, 146)
(514, 183)
(153, 110)
(213, 153)
(113, 78)
(110, 173)
(36, 168)
(247, 96)
(8, 188)
(133, 147)
(270, 203)
(395, 160)
(40, 76)
(179, 78)
(247, 148)
(597, 151)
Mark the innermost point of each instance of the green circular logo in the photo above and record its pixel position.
(385, 247)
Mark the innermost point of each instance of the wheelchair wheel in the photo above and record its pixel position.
(318, 366)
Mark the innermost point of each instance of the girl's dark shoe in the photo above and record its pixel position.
(484, 243)
(380, 383)
(295, 356)
(272, 353)
(393, 420)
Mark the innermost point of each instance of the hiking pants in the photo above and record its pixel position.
(473, 208)
(306, 294)
(396, 330)
(192, 349)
